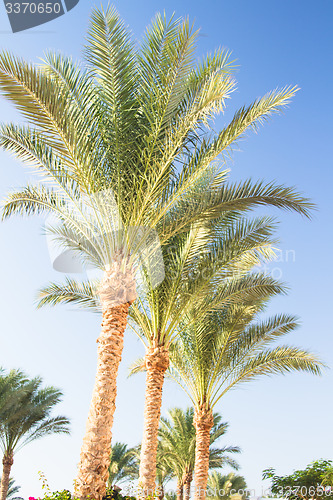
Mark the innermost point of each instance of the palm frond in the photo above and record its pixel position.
(83, 294)
(138, 366)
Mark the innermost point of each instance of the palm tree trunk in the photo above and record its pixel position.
(95, 452)
(7, 463)
(203, 422)
(187, 485)
(117, 292)
(180, 490)
(157, 362)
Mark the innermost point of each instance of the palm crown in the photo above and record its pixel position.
(223, 487)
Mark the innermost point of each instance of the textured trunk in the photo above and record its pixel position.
(187, 485)
(117, 293)
(157, 362)
(203, 422)
(7, 463)
(180, 490)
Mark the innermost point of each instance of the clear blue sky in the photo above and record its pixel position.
(282, 422)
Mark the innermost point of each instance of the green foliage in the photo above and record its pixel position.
(205, 268)
(223, 487)
(25, 411)
(229, 347)
(312, 482)
(52, 495)
(115, 494)
(58, 495)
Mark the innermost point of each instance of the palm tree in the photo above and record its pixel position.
(25, 415)
(224, 487)
(177, 447)
(12, 490)
(222, 350)
(120, 142)
(124, 464)
(205, 268)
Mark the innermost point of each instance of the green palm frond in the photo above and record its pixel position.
(55, 425)
(124, 464)
(32, 92)
(110, 58)
(220, 486)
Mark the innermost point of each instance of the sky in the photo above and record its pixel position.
(280, 422)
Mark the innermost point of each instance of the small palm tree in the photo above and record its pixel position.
(25, 415)
(177, 447)
(124, 464)
(228, 347)
(206, 268)
(226, 487)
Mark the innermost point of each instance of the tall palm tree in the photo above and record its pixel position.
(177, 445)
(224, 487)
(120, 142)
(124, 464)
(222, 350)
(25, 415)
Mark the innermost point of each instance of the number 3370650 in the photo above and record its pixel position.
(32, 8)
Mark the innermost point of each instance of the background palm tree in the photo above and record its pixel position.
(177, 447)
(164, 471)
(124, 122)
(124, 464)
(206, 268)
(25, 415)
(225, 487)
(225, 348)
